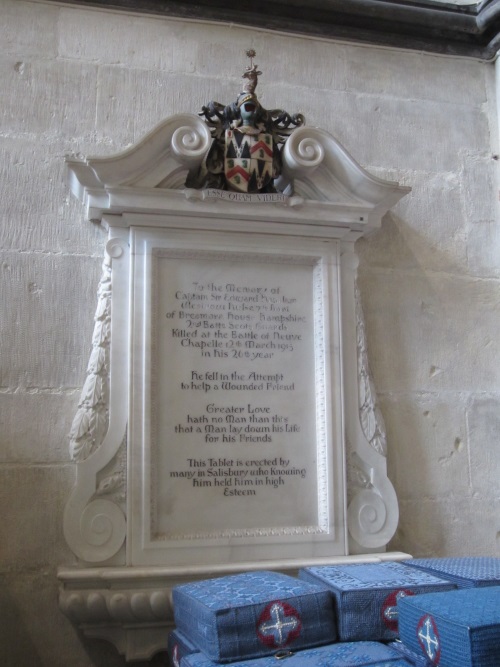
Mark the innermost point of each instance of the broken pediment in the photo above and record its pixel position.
(320, 181)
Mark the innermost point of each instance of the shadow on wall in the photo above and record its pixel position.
(103, 654)
(400, 246)
(16, 646)
(18, 638)
(405, 283)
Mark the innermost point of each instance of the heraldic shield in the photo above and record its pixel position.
(248, 160)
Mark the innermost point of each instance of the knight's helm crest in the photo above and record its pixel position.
(247, 141)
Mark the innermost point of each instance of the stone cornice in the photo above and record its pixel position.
(462, 30)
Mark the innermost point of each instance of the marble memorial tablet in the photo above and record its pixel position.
(236, 362)
(233, 384)
(228, 415)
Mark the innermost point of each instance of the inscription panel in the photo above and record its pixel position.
(237, 447)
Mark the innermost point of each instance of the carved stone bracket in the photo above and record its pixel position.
(372, 512)
(94, 519)
(135, 620)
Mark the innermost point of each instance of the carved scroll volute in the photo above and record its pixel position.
(94, 521)
(302, 154)
(372, 513)
(191, 141)
(304, 151)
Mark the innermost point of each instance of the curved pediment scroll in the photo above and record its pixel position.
(161, 159)
(319, 168)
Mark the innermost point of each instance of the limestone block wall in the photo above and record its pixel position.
(92, 82)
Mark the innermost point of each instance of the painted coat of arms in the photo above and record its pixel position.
(245, 155)
(248, 163)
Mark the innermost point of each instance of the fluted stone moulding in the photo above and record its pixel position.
(121, 589)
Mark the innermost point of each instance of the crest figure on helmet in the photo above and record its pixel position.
(245, 155)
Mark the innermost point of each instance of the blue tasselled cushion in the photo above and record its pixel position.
(366, 595)
(253, 614)
(348, 654)
(178, 647)
(469, 572)
(460, 628)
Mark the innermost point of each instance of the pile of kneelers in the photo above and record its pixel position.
(442, 612)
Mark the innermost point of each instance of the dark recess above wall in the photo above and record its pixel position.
(461, 30)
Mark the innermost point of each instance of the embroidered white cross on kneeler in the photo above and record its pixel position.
(428, 637)
(279, 624)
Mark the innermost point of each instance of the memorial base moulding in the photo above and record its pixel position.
(228, 421)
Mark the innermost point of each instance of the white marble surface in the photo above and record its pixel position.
(232, 428)
(235, 346)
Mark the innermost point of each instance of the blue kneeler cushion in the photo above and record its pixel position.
(459, 628)
(414, 659)
(178, 647)
(253, 614)
(348, 654)
(465, 572)
(366, 595)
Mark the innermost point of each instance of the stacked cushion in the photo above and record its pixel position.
(253, 614)
(355, 654)
(257, 618)
(458, 628)
(414, 659)
(178, 647)
(367, 595)
(464, 572)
